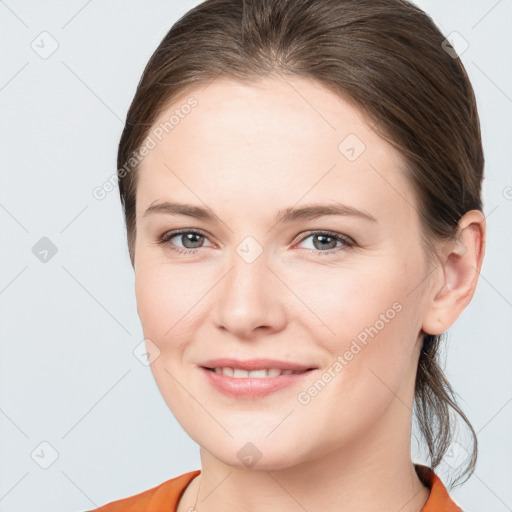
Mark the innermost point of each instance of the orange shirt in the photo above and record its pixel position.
(165, 497)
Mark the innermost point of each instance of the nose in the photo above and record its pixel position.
(249, 299)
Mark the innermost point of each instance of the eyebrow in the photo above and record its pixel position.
(288, 215)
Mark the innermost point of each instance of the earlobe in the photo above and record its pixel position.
(459, 270)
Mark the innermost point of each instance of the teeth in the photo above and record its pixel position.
(256, 374)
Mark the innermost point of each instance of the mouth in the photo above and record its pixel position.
(262, 373)
(236, 367)
(253, 379)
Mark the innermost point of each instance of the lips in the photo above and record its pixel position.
(256, 364)
(243, 384)
(249, 388)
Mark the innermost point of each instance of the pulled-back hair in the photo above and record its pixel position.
(389, 59)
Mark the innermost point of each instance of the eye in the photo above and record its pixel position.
(325, 242)
(190, 239)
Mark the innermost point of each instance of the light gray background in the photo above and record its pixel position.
(69, 325)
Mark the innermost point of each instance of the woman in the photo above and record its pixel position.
(301, 183)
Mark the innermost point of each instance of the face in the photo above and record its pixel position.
(266, 270)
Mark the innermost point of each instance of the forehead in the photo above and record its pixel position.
(281, 137)
(244, 115)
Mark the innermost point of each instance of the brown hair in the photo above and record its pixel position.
(388, 57)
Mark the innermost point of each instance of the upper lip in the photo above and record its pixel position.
(254, 364)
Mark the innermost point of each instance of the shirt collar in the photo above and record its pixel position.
(439, 499)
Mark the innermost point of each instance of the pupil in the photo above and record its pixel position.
(324, 238)
(189, 239)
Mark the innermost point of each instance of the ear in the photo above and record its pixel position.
(457, 275)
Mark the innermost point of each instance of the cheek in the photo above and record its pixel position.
(352, 300)
(374, 319)
(164, 296)
(165, 304)
(369, 322)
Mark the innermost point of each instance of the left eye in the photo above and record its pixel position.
(325, 241)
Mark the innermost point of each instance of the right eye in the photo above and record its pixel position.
(190, 239)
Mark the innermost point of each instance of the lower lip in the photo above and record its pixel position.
(250, 388)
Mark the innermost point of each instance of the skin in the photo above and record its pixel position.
(247, 152)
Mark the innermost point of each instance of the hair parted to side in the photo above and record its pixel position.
(386, 56)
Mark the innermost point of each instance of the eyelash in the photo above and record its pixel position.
(347, 241)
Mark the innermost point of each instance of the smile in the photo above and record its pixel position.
(252, 384)
(239, 373)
